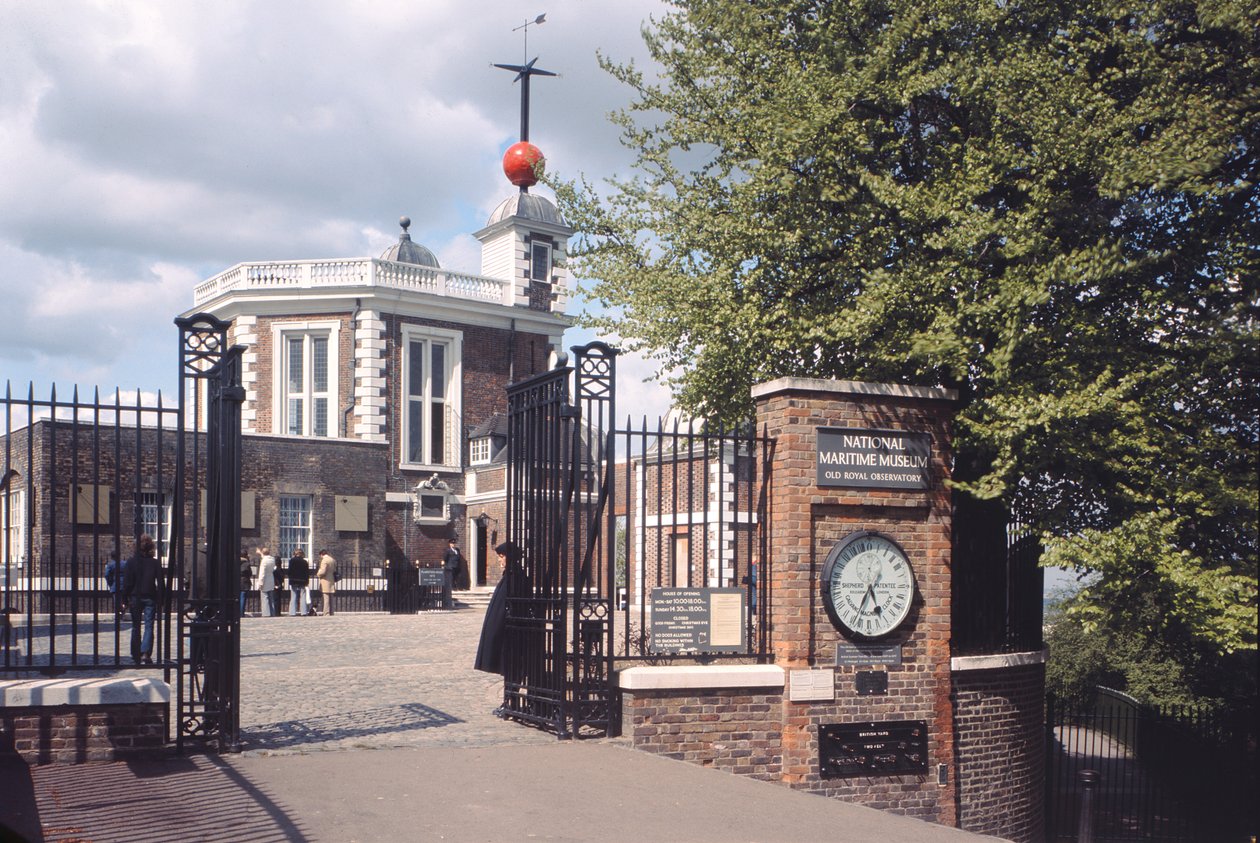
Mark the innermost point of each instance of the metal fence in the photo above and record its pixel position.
(366, 587)
(997, 584)
(1172, 773)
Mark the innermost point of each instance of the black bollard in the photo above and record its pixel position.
(1085, 829)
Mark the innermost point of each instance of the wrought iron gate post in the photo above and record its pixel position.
(209, 629)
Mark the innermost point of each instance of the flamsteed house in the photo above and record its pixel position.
(373, 418)
(374, 387)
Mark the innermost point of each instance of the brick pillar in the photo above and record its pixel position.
(806, 521)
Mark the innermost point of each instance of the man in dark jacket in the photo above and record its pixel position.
(299, 579)
(450, 564)
(142, 589)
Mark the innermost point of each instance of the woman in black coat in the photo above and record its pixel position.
(494, 627)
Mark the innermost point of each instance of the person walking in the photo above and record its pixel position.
(514, 584)
(142, 589)
(299, 584)
(327, 576)
(450, 565)
(267, 583)
(247, 580)
(113, 579)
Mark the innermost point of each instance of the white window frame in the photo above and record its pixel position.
(479, 451)
(540, 244)
(155, 520)
(281, 333)
(13, 525)
(454, 342)
(295, 535)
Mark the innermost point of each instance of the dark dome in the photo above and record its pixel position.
(530, 206)
(405, 251)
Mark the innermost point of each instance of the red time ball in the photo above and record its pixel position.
(521, 163)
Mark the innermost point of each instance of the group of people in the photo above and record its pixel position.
(308, 588)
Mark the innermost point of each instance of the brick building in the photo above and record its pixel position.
(373, 418)
(373, 387)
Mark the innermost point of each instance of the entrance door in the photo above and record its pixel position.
(481, 555)
(681, 550)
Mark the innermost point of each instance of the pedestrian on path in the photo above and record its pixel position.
(450, 566)
(494, 627)
(247, 580)
(299, 584)
(142, 589)
(267, 583)
(327, 576)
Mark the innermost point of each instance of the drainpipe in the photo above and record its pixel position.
(345, 414)
(512, 353)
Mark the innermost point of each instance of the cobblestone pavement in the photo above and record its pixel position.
(355, 681)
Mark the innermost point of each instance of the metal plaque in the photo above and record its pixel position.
(698, 620)
(871, 683)
(873, 459)
(848, 750)
(862, 654)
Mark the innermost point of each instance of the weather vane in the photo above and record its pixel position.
(524, 72)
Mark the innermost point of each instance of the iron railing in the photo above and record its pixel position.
(1165, 773)
(996, 583)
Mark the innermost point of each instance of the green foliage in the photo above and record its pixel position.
(1050, 206)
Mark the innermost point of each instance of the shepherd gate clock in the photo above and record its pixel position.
(867, 585)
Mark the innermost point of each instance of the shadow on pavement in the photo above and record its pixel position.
(345, 725)
(162, 801)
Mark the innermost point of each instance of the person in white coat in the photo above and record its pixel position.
(267, 583)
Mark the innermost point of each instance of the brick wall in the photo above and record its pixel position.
(806, 522)
(999, 716)
(74, 733)
(732, 730)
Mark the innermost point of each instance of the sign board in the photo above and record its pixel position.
(848, 750)
(698, 620)
(861, 654)
(811, 685)
(431, 577)
(873, 459)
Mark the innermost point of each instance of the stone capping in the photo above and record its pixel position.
(895, 390)
(669, 677)
(958, 664)
(112, 690)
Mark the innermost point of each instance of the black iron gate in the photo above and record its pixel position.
(80, 482)
(558, 658)
(1176, 774)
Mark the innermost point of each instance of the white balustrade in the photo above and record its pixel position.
(354, 272)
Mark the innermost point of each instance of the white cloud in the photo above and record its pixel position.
(147, 145)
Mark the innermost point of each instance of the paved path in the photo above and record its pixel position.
(373, 728)
(369, 681)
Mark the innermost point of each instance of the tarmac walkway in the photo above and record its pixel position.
(375, 728)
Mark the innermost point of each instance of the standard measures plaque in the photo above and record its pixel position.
(848, 750)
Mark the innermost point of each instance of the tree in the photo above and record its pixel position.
(1050, 207)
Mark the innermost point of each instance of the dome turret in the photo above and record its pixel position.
(405, 251)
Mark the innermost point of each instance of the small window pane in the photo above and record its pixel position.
(439, 371)
(415, 431)
(295, 416)
(321, 417)
(295, 364)
(437, 432)
(319, 364)
(415, 380)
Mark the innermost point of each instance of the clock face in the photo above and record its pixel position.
(867, 585)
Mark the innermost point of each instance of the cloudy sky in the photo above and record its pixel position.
(147, 145)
